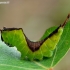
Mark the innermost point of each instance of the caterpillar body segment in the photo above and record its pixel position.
(16, 37)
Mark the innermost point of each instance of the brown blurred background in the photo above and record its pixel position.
(35, 16)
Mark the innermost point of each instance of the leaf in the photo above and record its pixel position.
(47, 32)
(10, 57)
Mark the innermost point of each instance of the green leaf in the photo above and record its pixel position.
(10, 57)
(48, 31)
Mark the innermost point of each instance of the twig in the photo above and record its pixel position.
(65, 20)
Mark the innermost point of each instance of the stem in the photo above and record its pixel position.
(65, 20)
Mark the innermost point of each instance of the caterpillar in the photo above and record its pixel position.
(32, 50)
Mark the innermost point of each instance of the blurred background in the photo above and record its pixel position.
(35, 16)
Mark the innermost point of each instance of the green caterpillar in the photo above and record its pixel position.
(32, 50)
